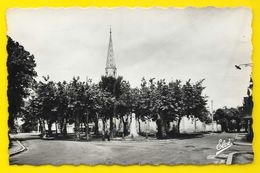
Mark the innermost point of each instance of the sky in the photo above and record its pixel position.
(173, 43)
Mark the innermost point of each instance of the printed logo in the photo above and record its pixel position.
(223, 145)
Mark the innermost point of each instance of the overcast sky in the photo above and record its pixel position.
(194, 43)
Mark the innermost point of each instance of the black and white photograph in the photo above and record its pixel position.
(126, 86)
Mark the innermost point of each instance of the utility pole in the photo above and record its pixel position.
(212, 116)
(87, 117)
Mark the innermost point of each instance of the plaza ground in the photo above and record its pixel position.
(193, 149)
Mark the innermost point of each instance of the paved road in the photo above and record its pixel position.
(172, 151)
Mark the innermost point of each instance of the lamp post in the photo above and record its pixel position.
(212, 116)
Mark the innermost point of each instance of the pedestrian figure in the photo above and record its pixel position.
(107, 135)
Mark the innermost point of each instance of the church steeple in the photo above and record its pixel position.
(110, 64)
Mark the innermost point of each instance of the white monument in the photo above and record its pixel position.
(133, 132)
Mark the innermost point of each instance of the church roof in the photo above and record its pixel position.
(110, 64)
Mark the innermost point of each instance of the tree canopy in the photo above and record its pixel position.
(81, 102)
(21, 72)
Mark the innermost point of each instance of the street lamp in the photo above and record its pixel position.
(245, 65)
(251, 81)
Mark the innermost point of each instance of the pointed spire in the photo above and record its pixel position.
(110, 64)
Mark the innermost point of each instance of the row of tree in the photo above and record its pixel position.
(84, 102)
(81, 102)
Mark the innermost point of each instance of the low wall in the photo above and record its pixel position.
(190, 125)
(187, 125)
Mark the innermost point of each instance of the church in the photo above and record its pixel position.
(135, 126)
(150, 127)
(110, 64)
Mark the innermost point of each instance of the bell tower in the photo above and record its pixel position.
(110, 64)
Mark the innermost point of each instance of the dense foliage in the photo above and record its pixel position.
(21, 73)
(79, 102)
(229, 118)
(84, 102)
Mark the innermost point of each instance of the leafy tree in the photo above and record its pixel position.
(62, 102)
(31, 114)
(95, 107)
(126, 104)
(162, 107)
(165, 103)
(104, 107)
(90, 106)
(177, 103)
(114, 87)
(47, 96)
(220, 117)
(21, 73)
(143, 103)
(76, 103)
(194, 102)
(154, 104)
(228, 118)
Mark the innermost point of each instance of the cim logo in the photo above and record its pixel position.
(223, 145)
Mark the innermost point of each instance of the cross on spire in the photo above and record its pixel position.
(110, 64)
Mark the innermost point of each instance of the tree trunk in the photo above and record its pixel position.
(167, 128)
(111, 122)
(61, 126)
(56, 128)
(49, 128)
(161, 133)
(43, 128)
(139, 125)
(124, 127)
(96, 126)
(159, 128)
(122, 122)
(64, 127)
(86, 128)
(178, 125)
(40, 126)
(81, 127)
(164, 134)
(111, 127)
(76, 130)
(103, 130)
(238, 125)
(195, 125)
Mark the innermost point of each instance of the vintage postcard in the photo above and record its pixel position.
(130, 86)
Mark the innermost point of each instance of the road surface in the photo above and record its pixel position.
(193, 150)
